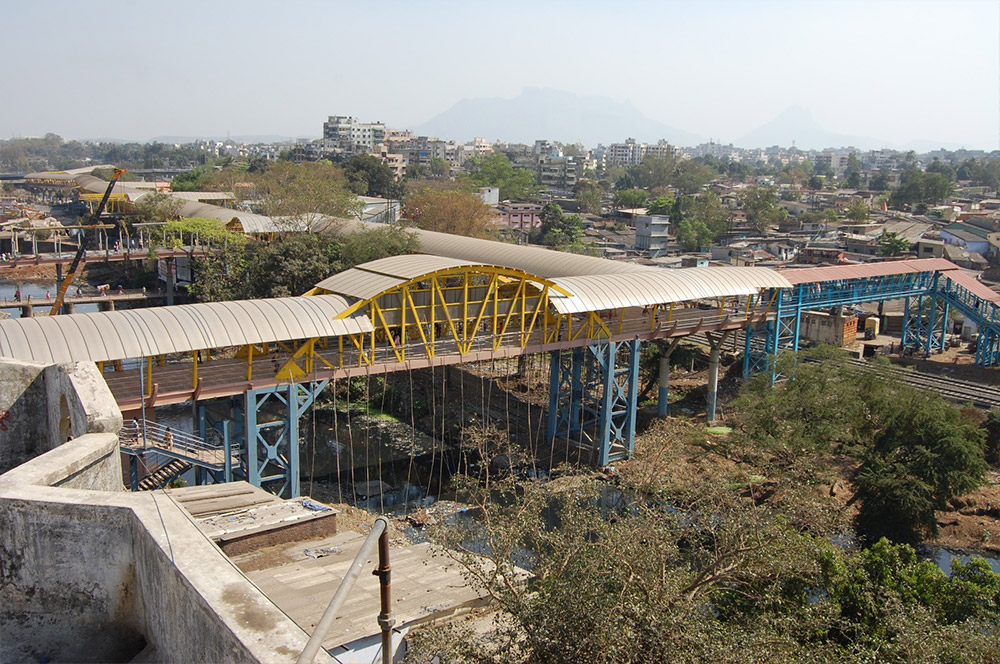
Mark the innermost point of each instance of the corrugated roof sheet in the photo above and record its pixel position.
(117, 335)
(539, 261)
(970, 283)
(661, 286)
(410, 266)
(359, 283)
(809, 275)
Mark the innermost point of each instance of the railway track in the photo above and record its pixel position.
(952, 389)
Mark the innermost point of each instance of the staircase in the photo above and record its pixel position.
(165, 473)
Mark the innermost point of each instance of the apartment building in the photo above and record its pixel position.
(632, 152)
(352, 135)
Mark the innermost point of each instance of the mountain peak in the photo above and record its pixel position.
(547, 113)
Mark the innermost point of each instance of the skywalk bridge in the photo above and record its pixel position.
(253, 367)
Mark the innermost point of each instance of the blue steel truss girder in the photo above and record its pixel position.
(593, 399)
(271, 422)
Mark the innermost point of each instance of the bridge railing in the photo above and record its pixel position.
(146, 434)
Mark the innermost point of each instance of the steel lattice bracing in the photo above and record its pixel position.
(592, 398)
(264, 425)
(928, 297)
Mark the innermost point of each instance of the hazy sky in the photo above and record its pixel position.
(900, 71)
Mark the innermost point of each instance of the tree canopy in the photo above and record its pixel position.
(456, 212)
(497, 170)
(761, 207)
(368, 176)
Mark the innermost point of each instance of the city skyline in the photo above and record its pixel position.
(897, 72)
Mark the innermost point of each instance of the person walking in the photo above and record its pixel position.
(168, 439)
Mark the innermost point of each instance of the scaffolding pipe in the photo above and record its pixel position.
(316, 640)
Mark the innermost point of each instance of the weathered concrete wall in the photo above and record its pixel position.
(90, 572)
(48, 404)
(67, 582)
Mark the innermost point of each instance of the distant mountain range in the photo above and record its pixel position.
(796, 126)
(543, 113)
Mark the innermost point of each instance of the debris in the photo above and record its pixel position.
(314, 506)
(322, 552)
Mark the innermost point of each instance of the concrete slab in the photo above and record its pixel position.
(425, 586)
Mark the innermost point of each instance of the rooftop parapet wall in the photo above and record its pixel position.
(90, 572)
(45, 405)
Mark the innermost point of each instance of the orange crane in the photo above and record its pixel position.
(95, 220)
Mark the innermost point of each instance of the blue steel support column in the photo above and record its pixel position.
(291, 435)
(944, 327)
(133, 471)
(931, 326)
(227, 444)
(576, 390)
(250, 437)
(798, 316)
(906, 320)
(606, 361)
(633, 394)
(555, 368)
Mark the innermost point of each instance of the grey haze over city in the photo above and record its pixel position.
(906, 75)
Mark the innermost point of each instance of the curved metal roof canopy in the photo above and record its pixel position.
(579, 294)
(117, 335)
(660, 286)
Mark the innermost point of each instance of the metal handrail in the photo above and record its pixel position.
(379, 535)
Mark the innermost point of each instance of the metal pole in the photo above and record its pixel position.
(316, 640)
(385, 619)
(142, 399)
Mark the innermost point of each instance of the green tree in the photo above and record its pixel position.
(880, 182)
(301, 195)
(156, 208)
(915, 451)
(630, 198)
(192, 180)
(439, 167)
(761, 207)
(377, 241)
(890, 244)
(369, 176)
(816, 182)
(858, 211)
(497, 170)
(925, 456)
(694, 234)
(558, 230)
(917, 187)
(707, 210)
(663, 205)
(588, 195)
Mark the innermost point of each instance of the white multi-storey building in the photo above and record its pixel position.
(353, 136)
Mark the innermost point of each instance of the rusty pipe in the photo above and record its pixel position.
(378, 533)
(384, 574)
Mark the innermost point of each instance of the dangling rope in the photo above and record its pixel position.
(368, 433)
(413, 436)
(434, 424)
(312, 463)
(385, 387)
(338, 446)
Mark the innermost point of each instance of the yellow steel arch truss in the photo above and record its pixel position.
(454, 310)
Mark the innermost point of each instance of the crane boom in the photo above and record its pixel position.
(95, 220)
